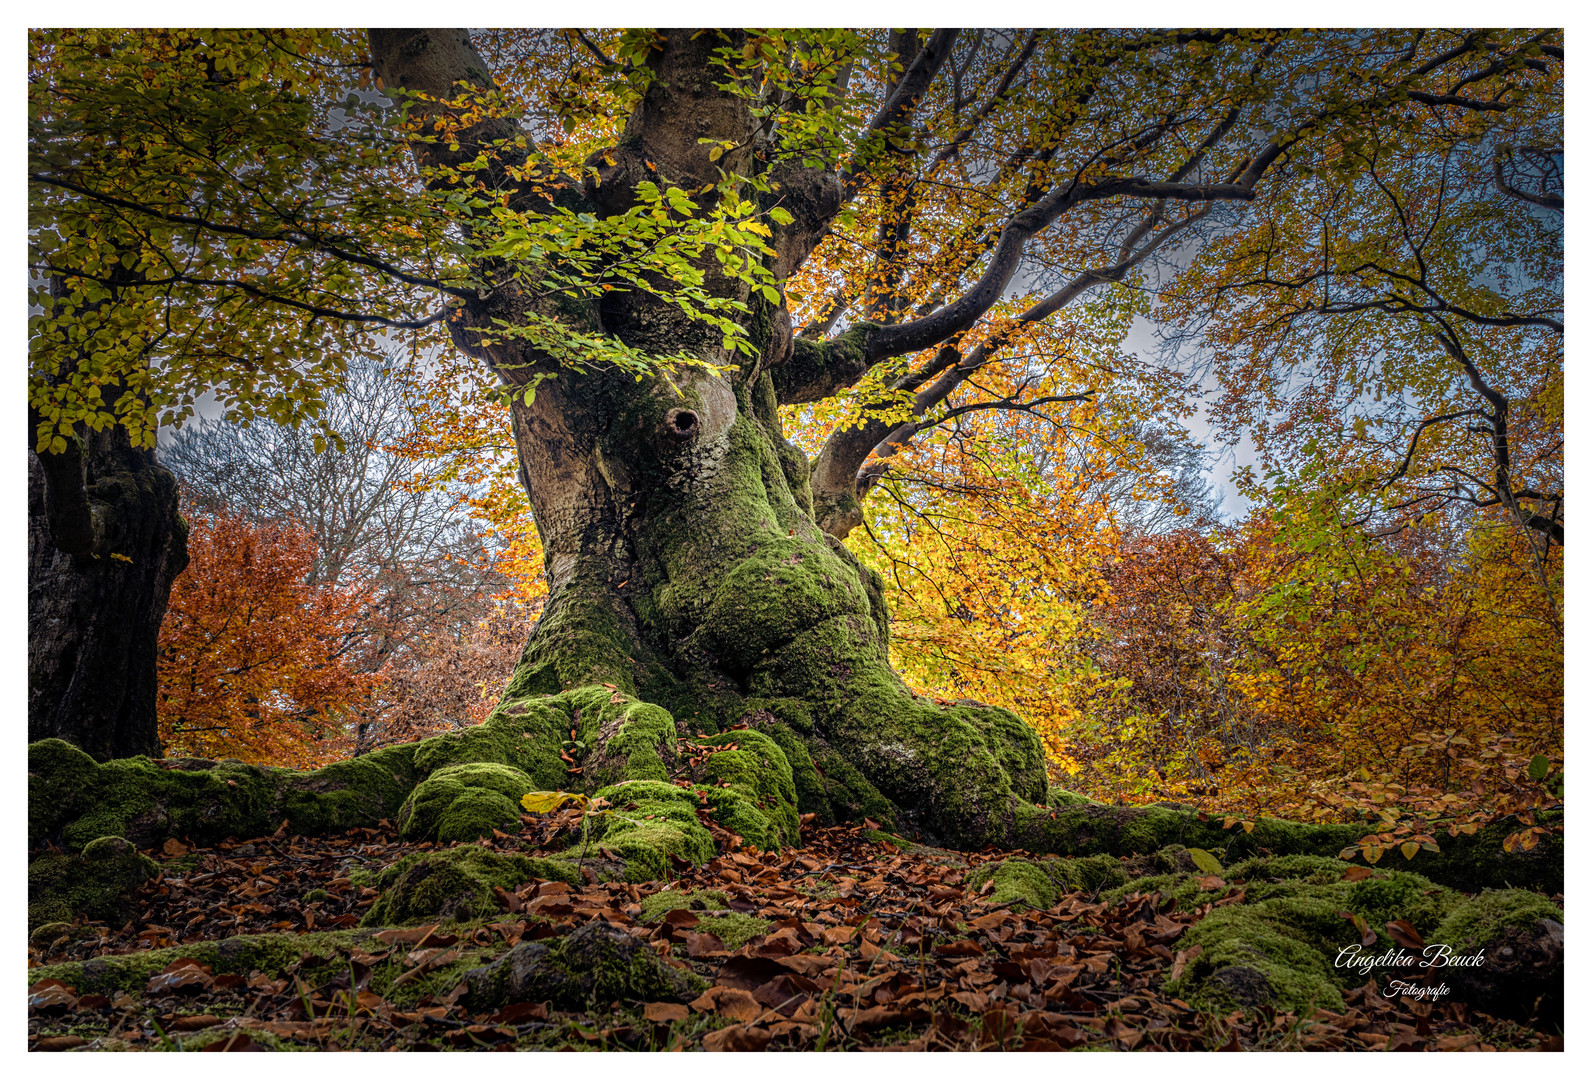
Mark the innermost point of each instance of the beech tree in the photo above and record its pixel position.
(664, 244)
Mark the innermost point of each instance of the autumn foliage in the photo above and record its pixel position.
(254, 662)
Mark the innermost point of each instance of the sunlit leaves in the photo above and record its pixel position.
(211, 212)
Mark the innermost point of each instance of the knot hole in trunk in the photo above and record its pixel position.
(681, 424)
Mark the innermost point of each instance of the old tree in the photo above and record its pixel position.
(668, 246)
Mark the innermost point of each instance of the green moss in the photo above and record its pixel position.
(61, 783)
(1316, 869)
(201, 1039)
(847, 794)
(97, 884)
(357, 792)
(465, 802)
(1181, 888)
(1015, 880)
(640, 736)
(656, 905)
(650, 822)
(455, 883)
(270, 953)
(1250, 959)
(733, 928)
(751, 789)
(1278, 947)
(1484, 919)
(1039, 884)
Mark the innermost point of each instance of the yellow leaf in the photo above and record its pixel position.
(1409, 848)
(542, 802)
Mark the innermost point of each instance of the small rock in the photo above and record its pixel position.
(598, 962)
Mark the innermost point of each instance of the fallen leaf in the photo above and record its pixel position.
(737, 1038)
(664, 1012)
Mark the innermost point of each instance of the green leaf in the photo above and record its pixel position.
(1538, 769)
(781, 215)
(1205, 861)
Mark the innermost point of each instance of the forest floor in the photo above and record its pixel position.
(849, 943)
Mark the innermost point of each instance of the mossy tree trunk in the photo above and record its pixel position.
(685, 561)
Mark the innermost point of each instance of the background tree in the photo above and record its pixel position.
(254, 661)
(431, 582)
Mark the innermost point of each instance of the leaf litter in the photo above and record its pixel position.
(869, 946)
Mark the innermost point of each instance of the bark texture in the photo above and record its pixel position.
(105, 540)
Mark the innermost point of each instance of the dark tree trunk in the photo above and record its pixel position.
(105, 540)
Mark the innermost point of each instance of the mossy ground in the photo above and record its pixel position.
(1283, 945)
(713, 913)
(455, 884)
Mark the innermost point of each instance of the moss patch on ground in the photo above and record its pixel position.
(713, 913)
(1037, 883)
(97, 883)
(1283, 945)
(455, 883)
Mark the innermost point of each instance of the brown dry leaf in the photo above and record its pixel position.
(703, 945)
(519, 1012)
(406, 937)
(839, 935)
(174, 848)
(735, 1003)
(665, 1012)
(1404, 934)
(990, 921)
(51, 998)
(194, 1023)
(1193, 952)
(737, 1038)
(959, 948)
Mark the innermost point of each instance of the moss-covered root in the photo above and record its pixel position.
(1039, 883)
(1294, 942)
(595, 966)
(1071, 826)
(455, 883)
(97, 883)
(73, 799)
(270, 953)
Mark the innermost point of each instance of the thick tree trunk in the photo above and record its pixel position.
(105, 540)
(684, 561)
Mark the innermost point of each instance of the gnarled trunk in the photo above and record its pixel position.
(684, 560)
